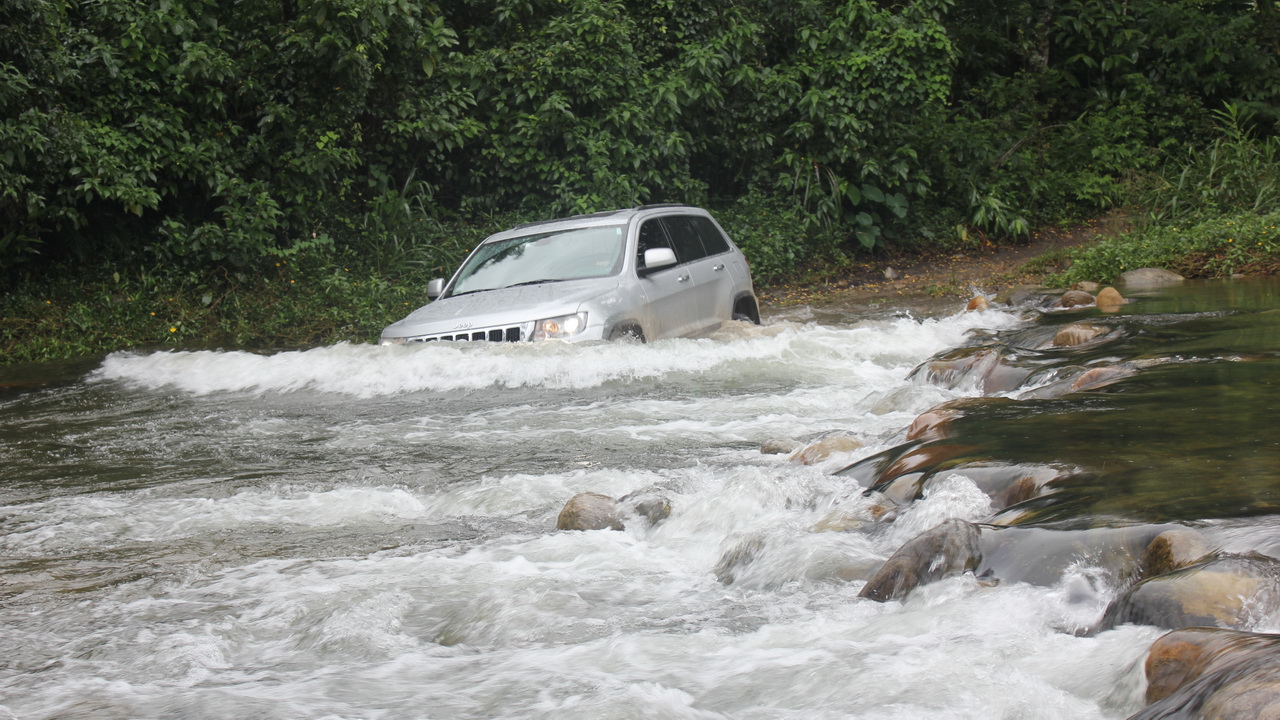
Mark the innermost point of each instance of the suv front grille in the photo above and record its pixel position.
(514, 333)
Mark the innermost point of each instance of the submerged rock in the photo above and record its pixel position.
(1213, 673)
(589, 511)
(1172, 550)
(934, 423)
(1149, 278)
(779, 446)
(986, 368)
(1022, 295)
(1077, 334)
(1079, 380)
(948, 549)
(875, 508)
(736, 558)
(650, 503)
(1227, 591)
(825, 447)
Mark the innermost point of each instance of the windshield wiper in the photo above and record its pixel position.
(469, 292)
(536, 282)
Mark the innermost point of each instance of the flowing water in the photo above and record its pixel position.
(369, 532)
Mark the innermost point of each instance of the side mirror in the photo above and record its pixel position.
(434, 288)
(657, 258)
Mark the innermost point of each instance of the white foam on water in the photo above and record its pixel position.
(522, 621)
(369, 371)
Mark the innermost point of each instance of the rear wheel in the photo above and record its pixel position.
(746, 311)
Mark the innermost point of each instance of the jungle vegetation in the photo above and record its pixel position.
(293, 171)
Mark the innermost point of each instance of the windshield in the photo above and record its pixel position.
(548, 257)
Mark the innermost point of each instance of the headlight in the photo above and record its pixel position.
(391, 341)
(564, 326)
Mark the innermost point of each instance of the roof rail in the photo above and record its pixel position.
(604, 213)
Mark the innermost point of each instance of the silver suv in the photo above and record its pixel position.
(648, 273)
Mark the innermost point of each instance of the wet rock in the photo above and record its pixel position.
(779, 446)
(986, 368)
(1228, 591)
(825, 447)
(1213, 673)
(1079, 380)
(650, 503)
(1042, 556)
(1087, 286)
(734, 560)
(876, 509)
(1098, 377)
(1109, 299)
(1172, 550)
(1007, 484)
(1144, 278)
(977, 303)
(1075, 298)
(1022, 295)
(933, 424)
(1077, 334)
(910, 468)
(589, 511)
(948, 549)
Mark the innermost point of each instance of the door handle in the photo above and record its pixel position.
(719, 267)
(682, 278)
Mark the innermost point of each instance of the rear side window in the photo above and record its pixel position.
(684, 238)
(712, 239)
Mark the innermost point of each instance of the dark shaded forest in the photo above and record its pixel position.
(284, 173)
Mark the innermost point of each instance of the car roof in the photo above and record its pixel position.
(608, 217)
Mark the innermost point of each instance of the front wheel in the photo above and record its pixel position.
(631, 333)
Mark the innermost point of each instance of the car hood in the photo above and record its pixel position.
(506, 306)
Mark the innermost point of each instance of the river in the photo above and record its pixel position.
(369, 532)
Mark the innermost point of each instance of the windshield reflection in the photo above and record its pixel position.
(547, 257)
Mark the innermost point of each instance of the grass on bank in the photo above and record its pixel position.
(1243, 243)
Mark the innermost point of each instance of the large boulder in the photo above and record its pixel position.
(590, 511)
(1144, 278)
(1213, 673)
(1226, 591)
(949, 549)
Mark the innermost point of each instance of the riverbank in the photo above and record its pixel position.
(923, 279)
(310, 301)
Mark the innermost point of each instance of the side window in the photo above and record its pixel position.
(684, 238)
(711, 236)
(651, 236)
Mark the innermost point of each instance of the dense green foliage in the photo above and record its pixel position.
(1211, 212)
(201, 142)
(203, 132)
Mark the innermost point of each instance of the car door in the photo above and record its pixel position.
(672, 307)
(708, 267)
